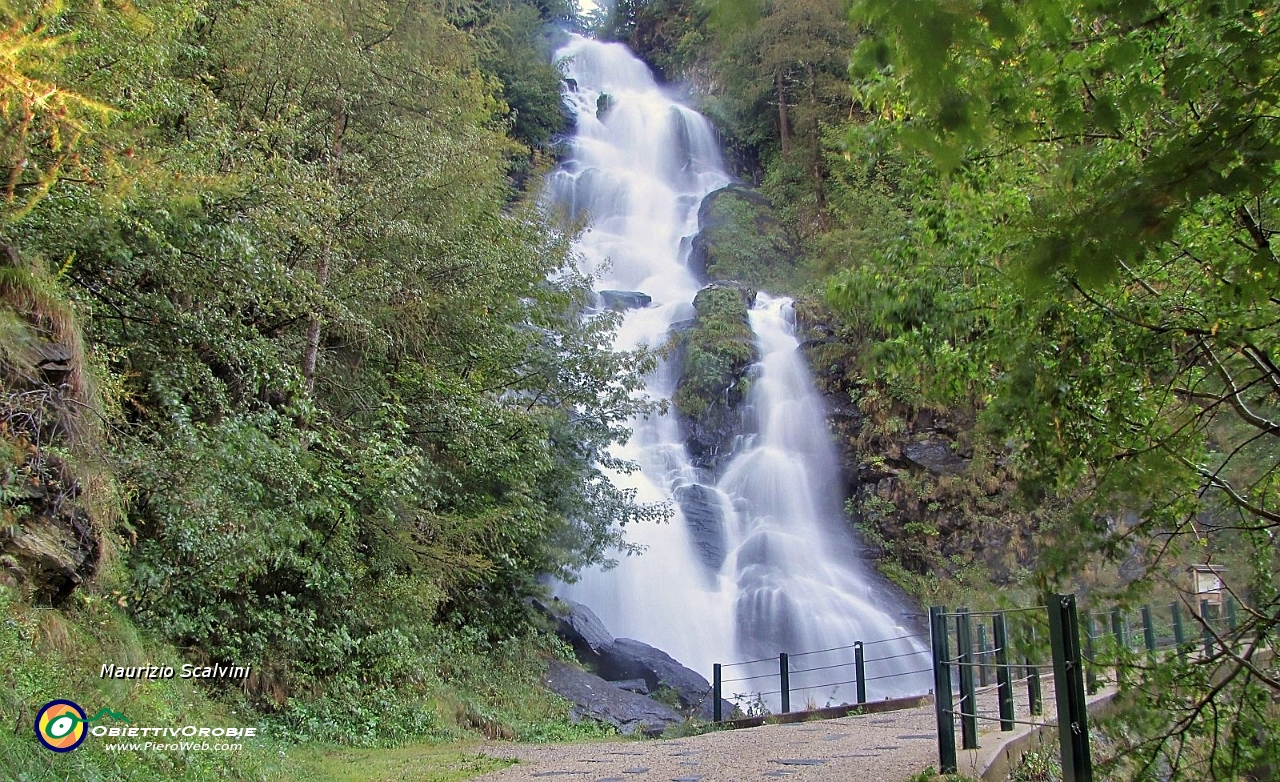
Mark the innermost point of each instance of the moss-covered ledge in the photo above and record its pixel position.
(714, 355)
(740, 237)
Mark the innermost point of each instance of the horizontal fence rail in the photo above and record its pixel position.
(818, 669)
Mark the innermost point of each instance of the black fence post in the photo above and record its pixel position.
(1206, 631)
(1117, 630)
(1035, 704)
(1148, 630)
(968, 698)
(942, 703)
(982, 654)
(1232, 618)
(860, 671)
(716, 688)
(1004, 681)
(1090, 649)
(1179, 632)
(784, 673)
(1073, 716)
(1122, 644)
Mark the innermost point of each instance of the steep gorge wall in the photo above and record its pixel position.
(933, 499)
(50, 540)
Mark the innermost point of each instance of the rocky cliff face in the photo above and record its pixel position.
(49, 541)
(932, 499)
(713, 357)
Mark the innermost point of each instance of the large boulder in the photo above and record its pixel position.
(631, 659)
(625, 300)
(740, 237)
(578, 625)
(623, 663)
(597, 699)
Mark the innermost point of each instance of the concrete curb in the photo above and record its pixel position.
(1002, 752)
(834, 712)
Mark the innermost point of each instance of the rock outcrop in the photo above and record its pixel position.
(597, 699)
(624, 300)
(628, 659)
(627, 664)
(49, 543)
(713, 359)
(578, 625)
(740, 237)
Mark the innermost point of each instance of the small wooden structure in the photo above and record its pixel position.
(1206, 582)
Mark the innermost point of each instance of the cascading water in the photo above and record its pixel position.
(787, 575)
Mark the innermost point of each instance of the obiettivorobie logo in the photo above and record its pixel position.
(61, 725)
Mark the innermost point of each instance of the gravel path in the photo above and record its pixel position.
(887, 746)
(884, 747)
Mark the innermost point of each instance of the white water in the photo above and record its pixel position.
(775, 569)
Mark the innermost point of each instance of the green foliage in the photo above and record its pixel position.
(409, 763)
(1090, 258)
(47, 654)
(717, 351)
(1037, 767)
(349, 398)
(929, 775)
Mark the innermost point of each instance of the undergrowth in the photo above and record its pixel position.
(489, 692)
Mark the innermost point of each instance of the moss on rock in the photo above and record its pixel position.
(714, 356)
(740, 237)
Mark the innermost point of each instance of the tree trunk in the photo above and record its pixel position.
(312, 352)
(784, 126)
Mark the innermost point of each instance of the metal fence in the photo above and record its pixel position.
(864, 666)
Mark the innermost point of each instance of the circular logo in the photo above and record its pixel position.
(60, 726)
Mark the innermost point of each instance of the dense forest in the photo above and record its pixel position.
(1039, 235)
(296, 372)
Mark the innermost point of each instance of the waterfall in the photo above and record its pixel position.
(759, 560)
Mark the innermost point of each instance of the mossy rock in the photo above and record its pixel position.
(714, 356)
(740, 237)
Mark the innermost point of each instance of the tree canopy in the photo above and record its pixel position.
(350, 401)
(1090, 257)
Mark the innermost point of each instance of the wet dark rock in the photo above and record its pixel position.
(704, 518)
(935, 456)
(631, 659)
(625, 300)
(597, 699)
